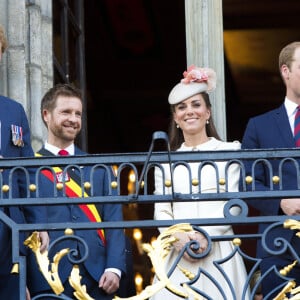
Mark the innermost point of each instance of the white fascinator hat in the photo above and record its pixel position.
(196, 80)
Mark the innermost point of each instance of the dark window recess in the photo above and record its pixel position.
(68, 51)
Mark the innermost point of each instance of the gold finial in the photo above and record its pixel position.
(248, 179)
(195, 182)
(222, 181)
(288, 268)
(59, 186)
(168, 183)
(32, 187)
(69, 231)
(186, 273)
(114, 184)
(5, 188)
(276, 179)
(237, 242)
(15, 269)
(87, 185)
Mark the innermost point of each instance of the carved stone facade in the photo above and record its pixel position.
(26, 70)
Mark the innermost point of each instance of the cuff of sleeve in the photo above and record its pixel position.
(114, 270)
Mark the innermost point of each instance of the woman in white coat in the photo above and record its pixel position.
(192, 129)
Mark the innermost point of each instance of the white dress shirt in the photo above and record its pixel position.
(291, 109)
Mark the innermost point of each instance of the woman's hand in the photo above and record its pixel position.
(201, 239)
(182, 239)
(185, 237)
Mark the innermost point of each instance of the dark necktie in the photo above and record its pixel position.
(297, 127)
(63, 152)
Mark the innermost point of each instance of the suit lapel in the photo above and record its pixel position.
(283, 126)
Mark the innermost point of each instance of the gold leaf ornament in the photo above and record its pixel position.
(52, 277)
(80, 290)
(157, 254)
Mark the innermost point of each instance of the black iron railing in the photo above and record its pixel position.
(143, 165)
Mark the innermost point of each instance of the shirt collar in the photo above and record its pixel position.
(53, 149)
(290, 107)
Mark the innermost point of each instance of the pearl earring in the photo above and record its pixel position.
(177, 126)
(207, 121)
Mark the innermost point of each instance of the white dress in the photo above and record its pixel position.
(234, 268)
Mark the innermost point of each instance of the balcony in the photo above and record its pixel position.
(142, 165)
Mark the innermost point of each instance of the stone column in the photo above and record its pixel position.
(3, 63)
(27, 70)
(204, 43)
(39, 62)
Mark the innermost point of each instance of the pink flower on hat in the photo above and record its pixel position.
(194, 74)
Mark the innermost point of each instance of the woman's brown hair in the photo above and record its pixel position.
(176, 135)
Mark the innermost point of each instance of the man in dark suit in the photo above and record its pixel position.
(61, 110)
(275, 129)
(14, 142)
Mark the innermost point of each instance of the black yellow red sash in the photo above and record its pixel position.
(73, 190)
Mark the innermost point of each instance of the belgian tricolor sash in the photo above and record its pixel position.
(73, 190)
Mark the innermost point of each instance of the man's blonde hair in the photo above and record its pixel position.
(3, 39)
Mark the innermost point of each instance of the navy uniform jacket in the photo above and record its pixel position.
(111, 255)
(12, 113)
(271, 130)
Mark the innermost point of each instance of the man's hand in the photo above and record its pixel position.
(44, 238)
(109, 282)
(290, 206)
